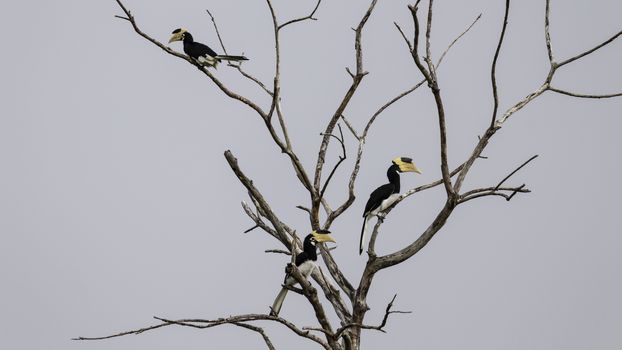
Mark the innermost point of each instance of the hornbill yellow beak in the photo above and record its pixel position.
(178, 35)
(322, 236)
(406, 165)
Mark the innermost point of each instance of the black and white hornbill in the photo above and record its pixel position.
(305, 262)
(387, 194)
(202, 53)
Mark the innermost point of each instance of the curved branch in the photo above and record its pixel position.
(493, 69)
(259, 330)
(547, 34)
(309, 16)
(568, 93)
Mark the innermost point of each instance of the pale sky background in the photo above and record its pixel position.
(116, 203)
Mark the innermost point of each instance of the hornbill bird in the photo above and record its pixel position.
(305, 262)
(387, 194)
(202, 53)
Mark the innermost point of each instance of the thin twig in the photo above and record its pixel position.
(493, 191)
(547, 34)
(257, 218)
(252, 228)
(217, 32)
(493, 69)
(350, 127)
(379, 327)
(278, 251)
(440, 60)
(568, 93)
(341, 159)
(309, 16)
(585, 53)
(515, 171)
(258, 330)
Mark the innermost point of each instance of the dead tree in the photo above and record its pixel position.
(348, 300)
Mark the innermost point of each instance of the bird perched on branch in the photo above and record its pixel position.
(385, 195)
(202, 53)
(305, 262)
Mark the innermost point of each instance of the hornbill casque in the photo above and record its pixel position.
(387, 194)
(202, 53)
(305, 262)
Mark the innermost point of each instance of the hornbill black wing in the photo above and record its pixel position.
(196, 50)
(375, 198)
(302, 257)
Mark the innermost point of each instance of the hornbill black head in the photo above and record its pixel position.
(405, 165)
(319, 236)
(179, 34)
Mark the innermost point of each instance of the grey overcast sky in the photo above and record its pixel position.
(116, 203)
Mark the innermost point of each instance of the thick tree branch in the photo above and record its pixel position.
(311, 294)
(262, 203)
(372, 241)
